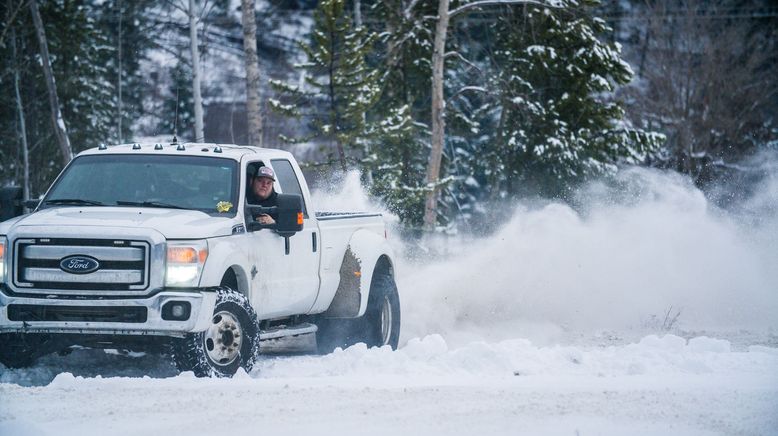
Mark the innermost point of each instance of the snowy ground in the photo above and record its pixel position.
(657, 386)
(648, 312)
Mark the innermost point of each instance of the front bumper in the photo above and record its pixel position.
(202, 304)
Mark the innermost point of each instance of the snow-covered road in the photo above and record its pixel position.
(657, 386)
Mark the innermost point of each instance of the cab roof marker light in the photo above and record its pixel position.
(102, 147)
(181, 147)
(136, 146)
(217, 149)
(157, 146)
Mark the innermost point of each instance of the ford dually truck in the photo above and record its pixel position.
(154, 247)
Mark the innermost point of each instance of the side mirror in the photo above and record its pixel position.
(288, 215)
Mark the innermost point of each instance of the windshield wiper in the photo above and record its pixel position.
(73, 202)
(149, 204)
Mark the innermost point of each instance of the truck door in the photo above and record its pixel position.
(287, 283)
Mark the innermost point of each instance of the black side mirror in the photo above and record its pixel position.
(288, 215)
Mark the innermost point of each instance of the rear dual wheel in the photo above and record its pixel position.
(379, 326)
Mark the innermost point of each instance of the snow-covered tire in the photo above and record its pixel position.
(230, 342)
(379, 326)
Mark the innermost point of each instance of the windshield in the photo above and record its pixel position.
(180, 182)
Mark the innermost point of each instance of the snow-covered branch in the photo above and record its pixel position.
(463, 59)
(464, 89)
(481, 3)
(12, 12)
(409, 8)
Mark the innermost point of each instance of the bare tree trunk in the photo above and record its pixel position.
(252, 72)
(22, 123)
(119, 108)
(438, 116)
(357, 13)
(198, 100)
(60, 130)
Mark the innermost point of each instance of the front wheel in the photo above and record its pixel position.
(379, 326)
(230, 342)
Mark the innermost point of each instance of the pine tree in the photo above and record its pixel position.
(79, 53)
(400, 148)
(396, 168)
(178, 107)
(558, 122)
(82, 52)
(338, 87)
(128, 31)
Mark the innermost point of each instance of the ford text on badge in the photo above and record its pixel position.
(79, 264)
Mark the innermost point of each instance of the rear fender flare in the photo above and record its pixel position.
(368, 247)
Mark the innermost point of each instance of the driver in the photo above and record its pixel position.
(262, 193)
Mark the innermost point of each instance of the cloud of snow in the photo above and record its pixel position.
(343, 193)
(645, 251)
(642, 252)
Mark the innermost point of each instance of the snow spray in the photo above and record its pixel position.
(643, 251)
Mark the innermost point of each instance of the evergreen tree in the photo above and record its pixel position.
(127, 27)
(338, 87)
(400, 148)
(178, 107)
(396, 168)
(81, 52)
(78, 53)
(558, 122)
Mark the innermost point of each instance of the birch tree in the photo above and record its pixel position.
(22, 122)
(195, 49)
(57, 119)
(438, 99)
(251, 58)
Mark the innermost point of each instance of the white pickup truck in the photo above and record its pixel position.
(154, 246)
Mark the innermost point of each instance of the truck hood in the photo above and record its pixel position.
(171, 223)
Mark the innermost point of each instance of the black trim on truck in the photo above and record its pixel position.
(36, 312)
(327, 216)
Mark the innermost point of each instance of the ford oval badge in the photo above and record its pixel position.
(79, 264)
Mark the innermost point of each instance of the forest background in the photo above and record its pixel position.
(444, 108)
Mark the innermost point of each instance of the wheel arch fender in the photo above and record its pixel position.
(375, 256)
(222, 263)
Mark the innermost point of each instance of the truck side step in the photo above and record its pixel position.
(283, 331)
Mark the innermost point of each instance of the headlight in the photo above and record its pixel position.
(2, 259)
(185, 262)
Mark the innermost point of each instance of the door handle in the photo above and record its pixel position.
(313, 241)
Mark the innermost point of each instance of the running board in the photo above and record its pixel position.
(286, 331)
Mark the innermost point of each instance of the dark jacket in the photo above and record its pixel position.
(270, 201)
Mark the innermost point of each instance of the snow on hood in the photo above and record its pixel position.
(171, 223)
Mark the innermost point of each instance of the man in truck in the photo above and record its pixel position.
(262, 192)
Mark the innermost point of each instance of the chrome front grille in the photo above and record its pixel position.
(123, 265)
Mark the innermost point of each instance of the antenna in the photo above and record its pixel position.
(175, 122)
